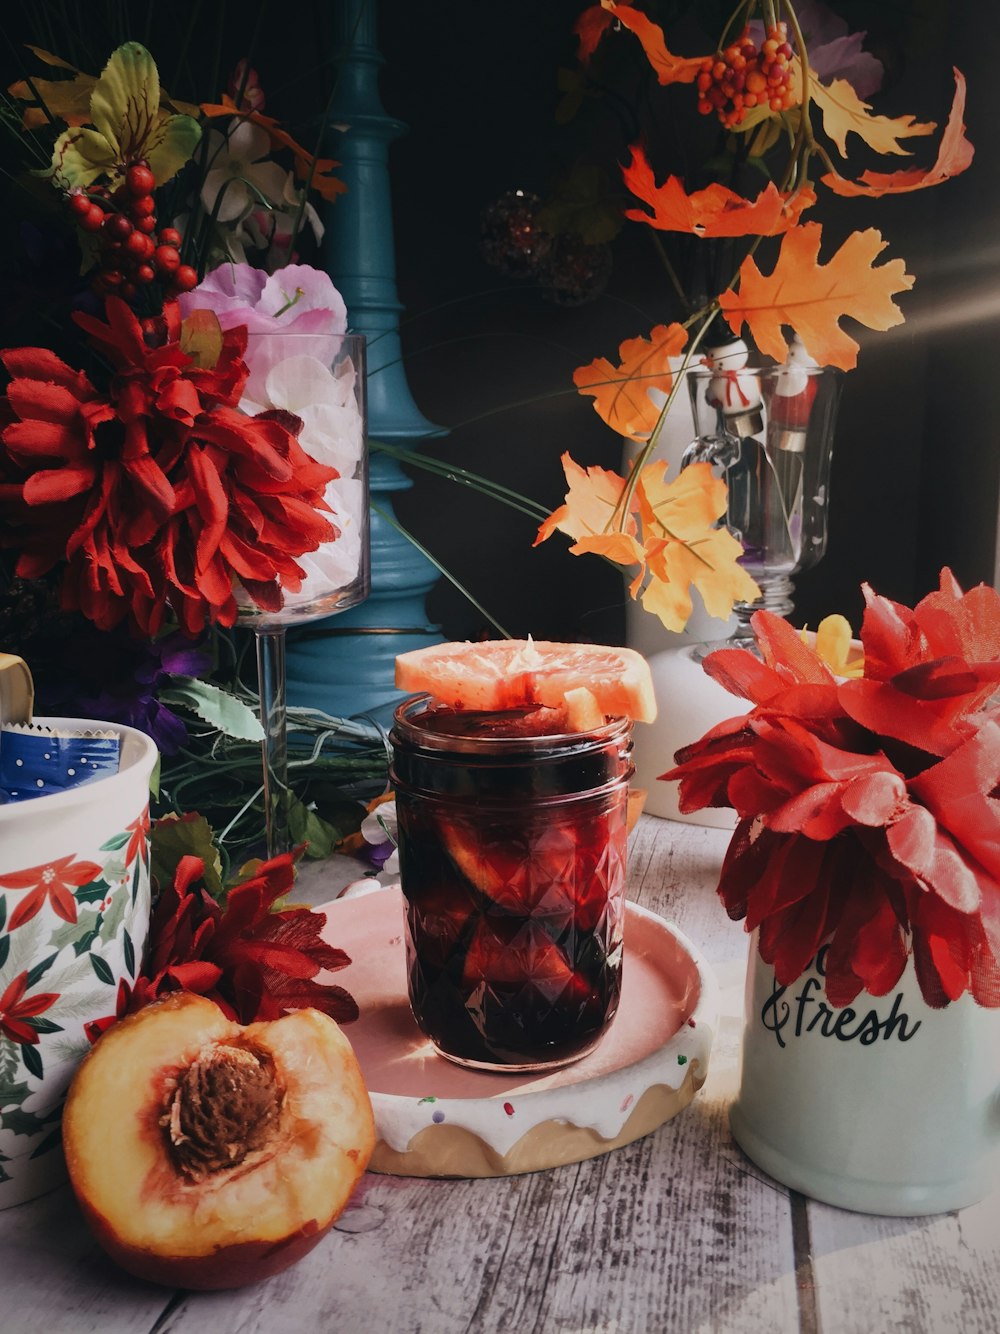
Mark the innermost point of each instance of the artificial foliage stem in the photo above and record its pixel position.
(708, 313)
(271, 674)
(669, 269)
(742, 8)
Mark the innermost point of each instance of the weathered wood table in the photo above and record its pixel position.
(676, 1232)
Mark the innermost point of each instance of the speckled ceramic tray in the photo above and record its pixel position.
(436, 1119)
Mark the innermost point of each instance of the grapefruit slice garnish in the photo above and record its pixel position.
(524, 673)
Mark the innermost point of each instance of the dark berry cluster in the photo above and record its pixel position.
(132, 252)
(733, 81)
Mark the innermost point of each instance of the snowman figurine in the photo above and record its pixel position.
(734, 448)
(735, 396)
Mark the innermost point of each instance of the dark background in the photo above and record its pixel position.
(915, 473)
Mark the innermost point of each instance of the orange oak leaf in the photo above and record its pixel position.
(683, 545)
(813, 297)
(590, 506)
(844, 113)
(667, 67)
(679, 543)
(954, 156)
(714, 211)
(589, 28)
(622, 394)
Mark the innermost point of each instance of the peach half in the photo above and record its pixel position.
(205, 1154)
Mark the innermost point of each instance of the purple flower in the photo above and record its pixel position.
(112, 677)
(834, 51)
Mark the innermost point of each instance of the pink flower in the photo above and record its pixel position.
(297, 299)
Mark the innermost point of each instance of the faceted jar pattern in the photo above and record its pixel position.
(514, 923)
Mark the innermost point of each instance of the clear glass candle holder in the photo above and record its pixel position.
(512, 853)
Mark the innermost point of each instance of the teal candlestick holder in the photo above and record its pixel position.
(345, 665)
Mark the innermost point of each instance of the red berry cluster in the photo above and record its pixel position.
(741, 77)
(132, 253)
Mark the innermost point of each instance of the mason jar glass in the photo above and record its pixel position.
(512, 846)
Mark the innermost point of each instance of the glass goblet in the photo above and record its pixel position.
(321, 379)
(769, 432)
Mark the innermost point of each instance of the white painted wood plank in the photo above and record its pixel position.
(56, 1280)
(922, 1275)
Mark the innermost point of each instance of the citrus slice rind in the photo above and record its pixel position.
(497, 675)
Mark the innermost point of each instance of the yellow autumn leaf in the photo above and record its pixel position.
(621, 393)
(812, 298)
(684, 546)
(682, 508)
(679, 545)
(68, 100)
(590, 506)
(844, 113)
(201, 338)
(710, 564)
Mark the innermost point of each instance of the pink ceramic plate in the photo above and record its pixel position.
(438, 1119)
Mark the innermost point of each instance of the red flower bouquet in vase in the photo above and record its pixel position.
(866, 862)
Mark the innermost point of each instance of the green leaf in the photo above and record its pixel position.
(218, 707)
(32, 1060)
(12, 1096)
(102, 969)
(185, 836)
(582, 204)
(40, 969)
(115, 842)
(4, 949)
(126, 100)
(50, 1142)
(43, 1025)
(171, 145)
(305, 826)
(79, 157)
(18, 1121)
(81, 934)
(92, 893)
(129, 949)
(112, 919)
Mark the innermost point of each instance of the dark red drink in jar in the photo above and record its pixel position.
(512, 862)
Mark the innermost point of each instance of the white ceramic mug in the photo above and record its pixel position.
(885, 1106)
(74, 900)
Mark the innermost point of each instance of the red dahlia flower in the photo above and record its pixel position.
(157, 491)
(869, 810)
(253, 962)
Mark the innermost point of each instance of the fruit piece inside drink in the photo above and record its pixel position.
(511, 793)
(520, 673)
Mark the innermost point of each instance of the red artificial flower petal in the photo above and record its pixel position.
(922, 848)
(786, 653)
(960, 792)
(52, 485)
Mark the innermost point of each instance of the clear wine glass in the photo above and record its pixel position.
(320, 378)
(769, 432)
